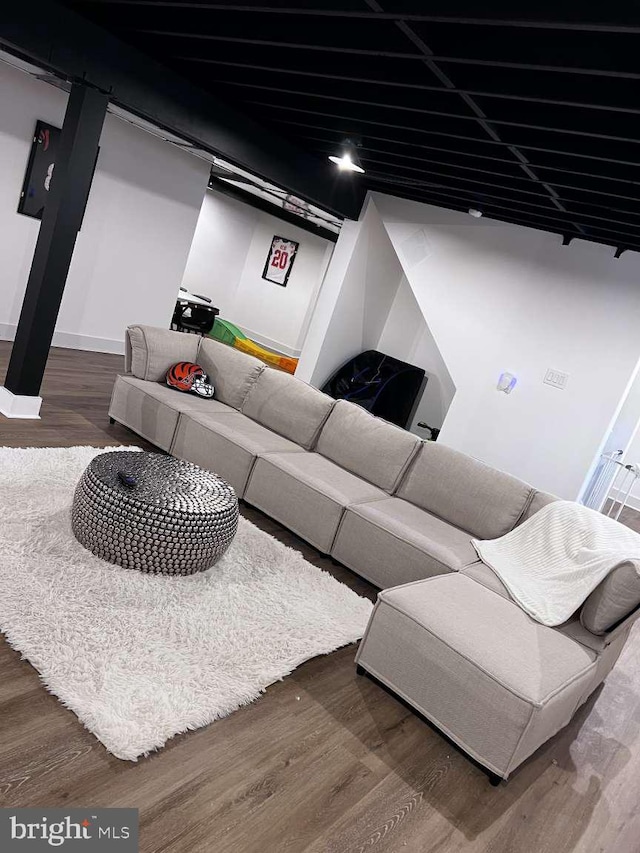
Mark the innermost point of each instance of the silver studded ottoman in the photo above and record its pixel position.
(154, 513)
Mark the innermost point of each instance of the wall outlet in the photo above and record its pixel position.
(556, 378)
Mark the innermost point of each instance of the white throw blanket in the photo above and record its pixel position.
(553, 561)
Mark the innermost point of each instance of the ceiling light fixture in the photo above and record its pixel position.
(348, 161)
(476, 213)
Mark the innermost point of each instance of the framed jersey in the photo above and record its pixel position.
(35, 189)
(280, 260)
(40, 169)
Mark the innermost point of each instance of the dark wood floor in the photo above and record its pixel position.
(325, 762)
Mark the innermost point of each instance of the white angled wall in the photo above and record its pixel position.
(135, 238)
(367, 303)
(500, 297)
(351, 319)
(226, 261)
(406, 336)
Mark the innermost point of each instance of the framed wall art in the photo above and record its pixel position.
(280, 260)
(37, 179)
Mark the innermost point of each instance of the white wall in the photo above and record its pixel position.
(351, 319)
(22, 101)
(407, 336)
(219, 249)
(132, 249)
(325, 322)
(367, 303)
(230, 246)
(501, 297)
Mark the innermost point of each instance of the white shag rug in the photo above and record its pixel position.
(140, 658)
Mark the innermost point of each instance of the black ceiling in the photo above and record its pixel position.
(528, 111)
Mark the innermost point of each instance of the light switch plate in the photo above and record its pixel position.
(556, 378)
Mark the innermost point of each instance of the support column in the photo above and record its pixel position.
(61, 220)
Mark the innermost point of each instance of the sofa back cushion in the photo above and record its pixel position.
(233, 373)
(150, 351)
(464, 491)
(538, 500)
(288, 406)
(373, 449)
(615, 598)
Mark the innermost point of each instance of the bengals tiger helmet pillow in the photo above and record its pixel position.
(187, 376)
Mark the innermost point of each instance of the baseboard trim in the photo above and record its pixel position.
(278, 347)
(18, 406)
(71, 340)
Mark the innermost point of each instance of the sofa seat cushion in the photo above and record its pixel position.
(391, 542)
(231, 372)
(497, 682)
(481, 573)
(181, 401)
(288, 406)
(151, 409)
(465, 492)
(308, 493)
(527, 658)
(367, 446)
(227, 444)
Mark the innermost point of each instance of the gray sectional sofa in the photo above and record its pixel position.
(445, 634)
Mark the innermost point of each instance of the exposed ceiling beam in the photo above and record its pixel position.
(574, 215)
(367, 149)
(60, 40)
(483, 202)
(389, 54)
(635, 199)
(220, 172)
(446, 201)
(369, 81)
(468, 100)
(368, 155)
(596, 175)
(221, 185)
(534, 66)
(371, 150)
(352, 122)
(417, 17)
(522, 145)
(440, 113)
(586, 190)
(428, 175)
(511, 183)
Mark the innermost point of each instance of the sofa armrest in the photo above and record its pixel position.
(615, 602)
(127, 351)
(150, 351)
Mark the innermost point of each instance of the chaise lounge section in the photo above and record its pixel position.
(445, 634)
(476, 665)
